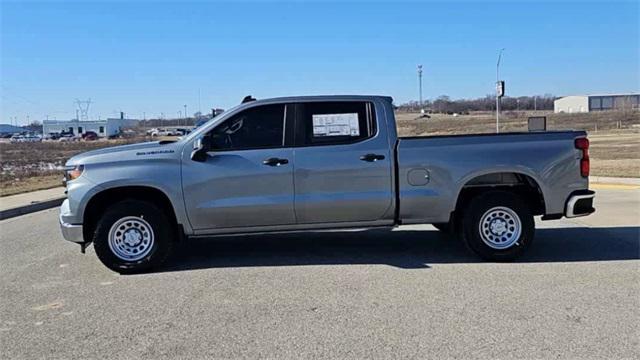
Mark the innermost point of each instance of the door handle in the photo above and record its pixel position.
(371, 157)
(275, 162)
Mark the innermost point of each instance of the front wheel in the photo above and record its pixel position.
(133, 236)
(497, 225)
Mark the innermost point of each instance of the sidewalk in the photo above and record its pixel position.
(16, 205)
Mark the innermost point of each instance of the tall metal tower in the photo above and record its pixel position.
(83, 109)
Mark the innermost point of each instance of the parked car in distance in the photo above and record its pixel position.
(20, 138)
(317, 163)
(164, 132)
(66, 137)
(128, 133)
(51, 136)
(16, 138)
(90, 136)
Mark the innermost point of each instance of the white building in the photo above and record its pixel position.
(600, 102)
(104, 128)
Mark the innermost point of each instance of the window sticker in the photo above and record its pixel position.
(336, 125)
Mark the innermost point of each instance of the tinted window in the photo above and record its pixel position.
(594, 103)
(338, 122)
(607, 102)
(255, 128)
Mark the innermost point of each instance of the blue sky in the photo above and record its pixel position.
(155, 57)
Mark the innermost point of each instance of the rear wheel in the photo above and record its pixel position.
(133, 236)
(497, 225)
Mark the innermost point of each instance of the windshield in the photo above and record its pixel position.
(200, 129)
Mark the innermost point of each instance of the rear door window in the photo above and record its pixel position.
(335, 122)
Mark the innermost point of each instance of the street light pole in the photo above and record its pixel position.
(185, 114)
(498, 92)
(420, 87)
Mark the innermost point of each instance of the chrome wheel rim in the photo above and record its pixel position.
(131, 238)
(500, 228)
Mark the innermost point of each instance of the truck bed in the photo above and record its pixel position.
(448, 162)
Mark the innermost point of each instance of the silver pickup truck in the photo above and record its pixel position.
(320, 162)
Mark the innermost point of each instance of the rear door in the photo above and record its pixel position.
(343, 163)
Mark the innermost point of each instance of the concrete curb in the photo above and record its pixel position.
(33, 207)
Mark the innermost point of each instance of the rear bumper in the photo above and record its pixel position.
(70, 232)
(580, 203)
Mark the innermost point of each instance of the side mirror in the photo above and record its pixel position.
(199, 152)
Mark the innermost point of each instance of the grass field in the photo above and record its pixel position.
(615, 144)
(483, 122)
(615, 153)
(37, 166)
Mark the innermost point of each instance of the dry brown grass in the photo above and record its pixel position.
(37, 166)
(33, 183)
(615, 153)
(482, 122)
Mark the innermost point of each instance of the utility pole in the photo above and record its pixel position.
(498, 91)
(535, 103)
(185, 114)
(420, 87)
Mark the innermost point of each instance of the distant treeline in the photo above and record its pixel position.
(445, 104)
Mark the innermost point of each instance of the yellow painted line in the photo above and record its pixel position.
(614, 187)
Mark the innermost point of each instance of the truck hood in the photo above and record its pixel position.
(123, 152)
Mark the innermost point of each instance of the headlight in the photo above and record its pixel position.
(74, 172)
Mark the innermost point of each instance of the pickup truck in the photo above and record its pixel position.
(316, 163)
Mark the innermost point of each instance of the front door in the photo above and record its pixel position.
(247, 178)
(343, 161)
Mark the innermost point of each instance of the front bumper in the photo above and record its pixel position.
(70, 232)
(580, 203)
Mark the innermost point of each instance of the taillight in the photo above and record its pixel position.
(583, 144)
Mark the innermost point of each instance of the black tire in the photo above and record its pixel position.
(141, 212)
(444, 227)
(490, 204)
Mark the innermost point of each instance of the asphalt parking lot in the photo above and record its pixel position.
(407, 293)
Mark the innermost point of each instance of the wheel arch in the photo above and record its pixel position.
(522, 183)
(101, 200)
